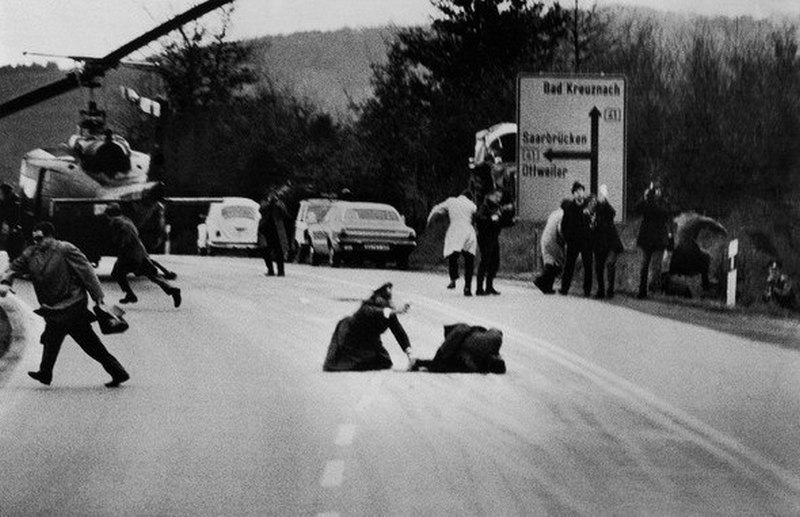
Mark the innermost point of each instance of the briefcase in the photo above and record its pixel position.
(111, 322)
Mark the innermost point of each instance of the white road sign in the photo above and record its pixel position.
(570, 128)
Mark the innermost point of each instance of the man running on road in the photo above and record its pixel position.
(61, 276)
(132, 257)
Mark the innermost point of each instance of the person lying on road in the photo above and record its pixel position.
(466, 349)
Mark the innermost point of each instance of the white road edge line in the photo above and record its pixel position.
(345, 435)
(333, 474)
(691, 428)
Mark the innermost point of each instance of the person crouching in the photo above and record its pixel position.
(356, 343)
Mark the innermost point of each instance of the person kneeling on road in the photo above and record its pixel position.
(61, 276)
(466, 349)
(132, 257)
(356, 343)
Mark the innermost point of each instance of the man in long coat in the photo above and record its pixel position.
(62, 276)
(575, 227)
(132, 257)
(653, 233)
(356, 343)
(272, 222)
(460, 238)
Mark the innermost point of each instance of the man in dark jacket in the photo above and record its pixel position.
(61, 277)
(576, 229)
(356, 343)
(466, 349)
(653, 233)
(489, 222)
(273, 217)
(132, 257)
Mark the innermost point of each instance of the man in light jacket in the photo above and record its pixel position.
(62, 276)
(460, 238)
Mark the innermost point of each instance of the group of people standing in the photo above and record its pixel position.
(583, 226)
(476, 218)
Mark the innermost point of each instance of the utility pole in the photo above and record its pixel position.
(576, 38)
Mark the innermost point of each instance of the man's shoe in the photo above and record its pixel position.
(129, 298)
(176, 297)
(452, 284)
(492, 291)
(270, 273)
(170, 275)
(563, 293)
(599, 295)
(116, 381)
(480, 292)
(467, 292)
(641, 296)
(41, 378)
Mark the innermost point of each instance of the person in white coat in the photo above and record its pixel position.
(460, 238)
(552, 249)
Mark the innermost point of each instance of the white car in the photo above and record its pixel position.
(311, 211)
(232, 225)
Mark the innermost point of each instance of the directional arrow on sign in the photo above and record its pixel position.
(591, 155)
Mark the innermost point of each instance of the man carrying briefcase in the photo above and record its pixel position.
(62, 276)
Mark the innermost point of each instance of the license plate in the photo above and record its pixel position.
(376, 247)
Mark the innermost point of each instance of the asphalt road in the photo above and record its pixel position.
(603, 411)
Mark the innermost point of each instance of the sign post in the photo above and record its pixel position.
(570, 128)
(733, 250)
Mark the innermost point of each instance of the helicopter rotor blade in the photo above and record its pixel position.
(95, 68)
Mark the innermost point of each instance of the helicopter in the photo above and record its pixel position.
(71, 184)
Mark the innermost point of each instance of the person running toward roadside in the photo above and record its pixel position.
(460, 238)
(62, 276)
(576, 229)
(552, 249)
(607, 244)
(132, 257)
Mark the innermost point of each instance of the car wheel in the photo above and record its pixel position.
(313, 257)
(298, 254)
(334, 257)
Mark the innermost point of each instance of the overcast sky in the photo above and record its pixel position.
(94, 27)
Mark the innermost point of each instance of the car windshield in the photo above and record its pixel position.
(319, 211)
(238, 212)
(371, 214)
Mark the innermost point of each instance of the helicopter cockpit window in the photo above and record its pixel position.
(505, 147)
(239, 212)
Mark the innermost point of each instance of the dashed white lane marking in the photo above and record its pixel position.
(333, 474)
(369, 394)
(345, 435)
